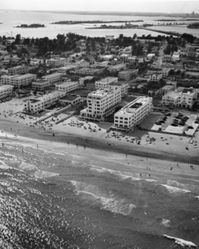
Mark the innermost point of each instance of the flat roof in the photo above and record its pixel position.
(6, 87)
(107, 80)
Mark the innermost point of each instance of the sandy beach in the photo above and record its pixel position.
(175, 151)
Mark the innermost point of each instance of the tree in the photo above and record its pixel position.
(18, 39)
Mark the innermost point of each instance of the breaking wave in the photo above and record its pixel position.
(107, 201)
(181, 242)
(172, 189)
(121, 175)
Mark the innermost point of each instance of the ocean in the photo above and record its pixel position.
(55, 195)
(9, 19)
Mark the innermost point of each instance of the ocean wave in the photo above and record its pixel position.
(44, 174)
(176, 184)
(108, 202)
(181, 242)
(3, 165)
(27, 166)
(172, 189)
(122, 176)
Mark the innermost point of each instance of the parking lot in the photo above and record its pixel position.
(172, 122)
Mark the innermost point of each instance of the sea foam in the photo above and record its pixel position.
(181, 242)
(107, 202)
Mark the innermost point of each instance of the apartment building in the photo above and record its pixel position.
(101, 103)
(181, 97)
(37, 104)
(41, 84)
(53, 78)
(22, 69)
(133, 113)
(18, 80)
(5, 91)
(68, 86)
(104, 83)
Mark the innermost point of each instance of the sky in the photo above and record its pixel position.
(173, 6)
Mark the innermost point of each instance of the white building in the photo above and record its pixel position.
(18, 80)
(101, 103)
(68, 86)
(185, 97)
(104, 83)
(150, 56)
(37, 104)
(5, 91)
(176, 56)
(22, 69)
(53, 78)
(133, 113)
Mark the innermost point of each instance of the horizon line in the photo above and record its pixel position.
(105, 12)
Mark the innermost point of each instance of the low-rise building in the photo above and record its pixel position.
(105, 82)
(5, 91)
(41, 84)
(68, 86)
(133, 113)
(127, 74)
(18, 80)
(71, 99)
(116, 68)
(181, 97)
(21, 69)
(53, 78)
(101, 103)
(56, 62)
(37, 104)
(150, 56)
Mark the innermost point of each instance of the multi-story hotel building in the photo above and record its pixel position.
(5, 91)
(104, 83)
(133, 113)
(18, 80)
(37, 104)
(68, 86)
(53, 78)
(18, 70)
(184, 97)
(101, 103)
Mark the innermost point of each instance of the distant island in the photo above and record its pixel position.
(194, 25)
(34, 25)
(178, 20)
(126, 26)
(93, 22)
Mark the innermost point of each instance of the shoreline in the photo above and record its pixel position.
(18, 129)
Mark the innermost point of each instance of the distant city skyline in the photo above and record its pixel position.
(172, 6)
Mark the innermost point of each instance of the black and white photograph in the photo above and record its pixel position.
(99, 124)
